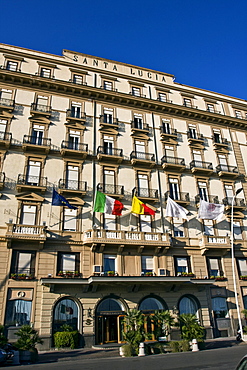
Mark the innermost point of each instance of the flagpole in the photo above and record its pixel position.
(233, 266)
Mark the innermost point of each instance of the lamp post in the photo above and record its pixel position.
(233, 266)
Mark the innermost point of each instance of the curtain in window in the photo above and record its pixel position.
(187, 305)
(65, 312)
(18, 312)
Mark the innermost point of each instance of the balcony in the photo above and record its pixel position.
(116, 191)
(219, 143)
(2, 179)
(73, 187)
(40, 109)
(5, 140)
(209, 198)
(75, 116)
(34, 143)
(146, 194)
(225, 171)
(173, 163)
(7, 105)
(180, 198)
(195, 139)
(202, 168)
(142, 159)
(108, 121)
(73, 149)
(238, 204)
(26, 233)
(168, 134)
(221, 244)
(139, 126)
(34, 183)
(110, 154)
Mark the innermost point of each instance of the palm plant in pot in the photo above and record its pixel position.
(26, 343)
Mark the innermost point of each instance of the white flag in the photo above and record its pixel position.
(175, 210)
(210, 211)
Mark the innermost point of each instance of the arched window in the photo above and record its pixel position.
(109, 305)
(150, 304)
(65, 312)
(188, 305)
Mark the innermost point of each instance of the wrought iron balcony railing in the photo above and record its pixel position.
(110, 151)
(7, 102)
(28, 139)
(139, 125)
(146, 193)
(72, 185)
(32, 180)
(108, 119)
(111, 189)
(168, 130)
(199, 164)
(219, 140)
(226, 168)
(195, 136)
(137, 94)
(173, 160)
(5, 136)
(81, 147)
(180, 196)
(208, 198)
(142, 156)
(41, 108)
(71, 113)
(237, 202)
(18, 271)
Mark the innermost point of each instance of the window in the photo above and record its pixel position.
(37, 134)
(219, 306)
(23, 263)
(6, 95)
(108, 144)
(242, 266)
(210, 108)
(75, 109)
(223, 162)
(74, 139)
(18, 312)
(69, 219)
(68, 262)
(182, 265)
(33, 173)
(28, 214)
(109, 181)
(203, 191)
(187, 305)
(109, 262)
(41, 103)
(147, 264)
(109, 222)
(208, 227)
(108, 85)
(166, 126)
(138, 121)
(140, 149)
(72, 178)
(192, 131)
(11, 66)
(143, 185)
(237, 232)
(187, 102)
(145, 223)
(214, 267)
(136, 91)
(197, 156)
(108, 115)
(229, 191)
(217, 136)
(65, 312)
(3, 125)
(178, 227)
(77, 79)
(162, 97)
(174, 189)
(169, 151)
(45, 72)
(238, 114)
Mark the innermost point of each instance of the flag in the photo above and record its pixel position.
(210, 211)
(140, 208)
(175, 210)
(105, 204)
(59, 200)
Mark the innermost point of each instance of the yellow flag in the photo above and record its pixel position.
(137, 206)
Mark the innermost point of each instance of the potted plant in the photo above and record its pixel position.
(76, 274)
(60, 273)
(69, 274)
(13, 276)
(219, 278)
(188, 274)
(243, 277)
(149, 273)
(22, 276)
(110, 273)
(26, 343)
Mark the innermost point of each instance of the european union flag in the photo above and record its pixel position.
(59, 200)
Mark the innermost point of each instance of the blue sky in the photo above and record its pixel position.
(202, 42)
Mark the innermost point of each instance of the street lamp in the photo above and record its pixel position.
(233, 266)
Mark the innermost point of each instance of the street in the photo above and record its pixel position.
(215, 359)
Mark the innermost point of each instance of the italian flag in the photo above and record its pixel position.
(105, 204)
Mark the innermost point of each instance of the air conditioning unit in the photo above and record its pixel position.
(162, 272)
(97, 269)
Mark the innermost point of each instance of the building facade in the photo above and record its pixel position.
(78, 124)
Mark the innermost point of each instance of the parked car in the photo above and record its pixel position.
(242, 364)
(3, 356)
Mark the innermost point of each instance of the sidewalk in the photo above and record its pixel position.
(91, 353)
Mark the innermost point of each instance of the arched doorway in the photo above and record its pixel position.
(66, 311)
(109, 321)
(148, 306)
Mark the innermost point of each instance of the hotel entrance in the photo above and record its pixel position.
(109, 321)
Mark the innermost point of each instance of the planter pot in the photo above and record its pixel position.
(27, 357)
